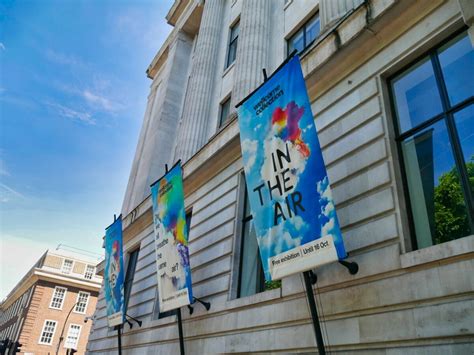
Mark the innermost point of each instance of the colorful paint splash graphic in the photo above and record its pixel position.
(285, 126)
(171, 211)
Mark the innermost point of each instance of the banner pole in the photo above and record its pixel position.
(314, 312)
(119, 336)
(180, 330)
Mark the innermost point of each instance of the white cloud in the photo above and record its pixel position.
(7, 193)
(2, 46)
(101, 102)
(84, 117)
(64, 59)
(249, 149)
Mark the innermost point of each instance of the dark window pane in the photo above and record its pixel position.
(132, 263)
(296, 42)
(233, 40)
(225, 107)
(437, 201)
(416, 95)
(457, 63)
(234, 32)
(465, 127)
(312, 30)
(250, 276)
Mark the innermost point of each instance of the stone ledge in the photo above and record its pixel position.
(438, 252)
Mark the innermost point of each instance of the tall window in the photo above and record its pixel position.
(58, 297)
(251, 277)
(224, 112)
(47, 333)
(232, 51)
(305, 36)
(132, 264)
(90, 269)
(67, 266)
(81, 302)
(433, 101)
(73, 335)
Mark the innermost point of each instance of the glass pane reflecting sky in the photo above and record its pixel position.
(457, 64)
(416, 95)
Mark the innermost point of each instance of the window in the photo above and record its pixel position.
(132, 264)
(67, 266)
(305, 36)
(434, 107)
(47, 333)
(73, 335)
(58, 297)
(82, 301)
(224, 112)
(90, 270)
(251, 275)
(232, 51)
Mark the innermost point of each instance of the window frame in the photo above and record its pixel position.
(91, 273)
(78, 336)
(62, 301)
(243, 220)
(306, 45)
(52, 333)
(77, 302)
(224, 120)
(128, 283)
(64, 263)
(231, 42)
(446, 115)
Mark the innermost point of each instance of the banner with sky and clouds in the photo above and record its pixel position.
(114, 274)
(293, 211)
(171, 241)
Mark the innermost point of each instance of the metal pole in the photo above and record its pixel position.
(119, 336)
(314, 313)
(180, 330)
(61, 337)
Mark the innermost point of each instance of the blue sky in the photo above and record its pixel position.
(73, 91)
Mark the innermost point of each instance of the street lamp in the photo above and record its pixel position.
(64, 325)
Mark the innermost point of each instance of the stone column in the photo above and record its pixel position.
(332, 10)
(192, 133)
(467, 11)
(252, 49)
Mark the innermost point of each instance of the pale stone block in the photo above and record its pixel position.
(216, 251)
(356, 162)
(357, 138)
(216, 235)
(345, 124)
(366, 207)
(362, 183)
(447, 319)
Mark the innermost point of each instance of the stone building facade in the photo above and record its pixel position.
(52, 300)
(391, 89)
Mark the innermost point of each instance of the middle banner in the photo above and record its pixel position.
(293, 212)
(171, 241)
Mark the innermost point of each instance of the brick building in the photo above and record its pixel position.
(52, 301)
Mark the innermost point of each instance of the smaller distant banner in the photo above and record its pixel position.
(293, 211)
(171, 241)
(114, 274)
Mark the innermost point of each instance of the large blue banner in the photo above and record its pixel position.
(171, 241)
(293, 211)
(114, 274)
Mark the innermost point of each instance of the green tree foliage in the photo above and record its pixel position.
(451, 219)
